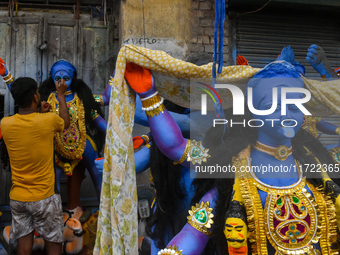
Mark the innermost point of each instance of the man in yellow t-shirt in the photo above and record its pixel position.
(29, 137)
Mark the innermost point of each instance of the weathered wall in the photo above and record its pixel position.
(202, 23)
(156, 24)
(179, 27)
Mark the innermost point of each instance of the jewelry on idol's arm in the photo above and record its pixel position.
(200, 218)
(185, 154)
(153, 105)
(337, 130)
(171, 250)
(8, 78)
(147, 141)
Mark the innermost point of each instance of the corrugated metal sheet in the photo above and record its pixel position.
(261, 36)
(87, 43)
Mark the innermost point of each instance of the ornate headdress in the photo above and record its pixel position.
(63, 65)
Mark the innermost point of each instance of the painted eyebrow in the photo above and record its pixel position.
(239, 227)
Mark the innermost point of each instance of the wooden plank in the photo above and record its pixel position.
(26, 20)
(10, 51)
(20, 54)
(66, 43)
(80, 49)
(87, 57)
(4, 19)
(40, 53)
(101, 55)
(61, 22)
(32, 51)
(53, 53)
(3, 35)
(44, 62)
(102, 46)
(75, 44)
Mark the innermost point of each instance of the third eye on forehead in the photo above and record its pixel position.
(65, 77)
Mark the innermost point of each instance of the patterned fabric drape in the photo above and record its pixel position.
(117, 221)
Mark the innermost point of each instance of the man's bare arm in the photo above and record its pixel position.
(61, 88)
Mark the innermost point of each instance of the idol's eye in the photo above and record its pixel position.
(57, 78)
(66, 78)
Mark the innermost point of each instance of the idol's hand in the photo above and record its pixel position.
(317, 58)
(241, 61)
(3, 68)
(99, 162)
(140, 80)
(138, 141)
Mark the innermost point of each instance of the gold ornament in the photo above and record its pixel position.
(335, 153)
(72, 141)
(68, 167)
(147, 141)
(99, 99)
(309, 125)
(153, 105)
(171, 250)
(292, 219)
(69, 92)
(200, 217)
(8, 78)
(198, 153)
(184, 155)
(281, 153)
(337, 131)
(94, 114)
(194, 152)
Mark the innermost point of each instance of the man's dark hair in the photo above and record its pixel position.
(23, 90)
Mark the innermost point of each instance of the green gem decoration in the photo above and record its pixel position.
(338, 156)
(196, 152)
(293, 240)
(201, 216)
(279, 201)
(296, 200)
(290, 234)
(297, 233)
(302, 208)
(278, 212)
(292, 227)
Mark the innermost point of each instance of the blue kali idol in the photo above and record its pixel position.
(252, 212)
